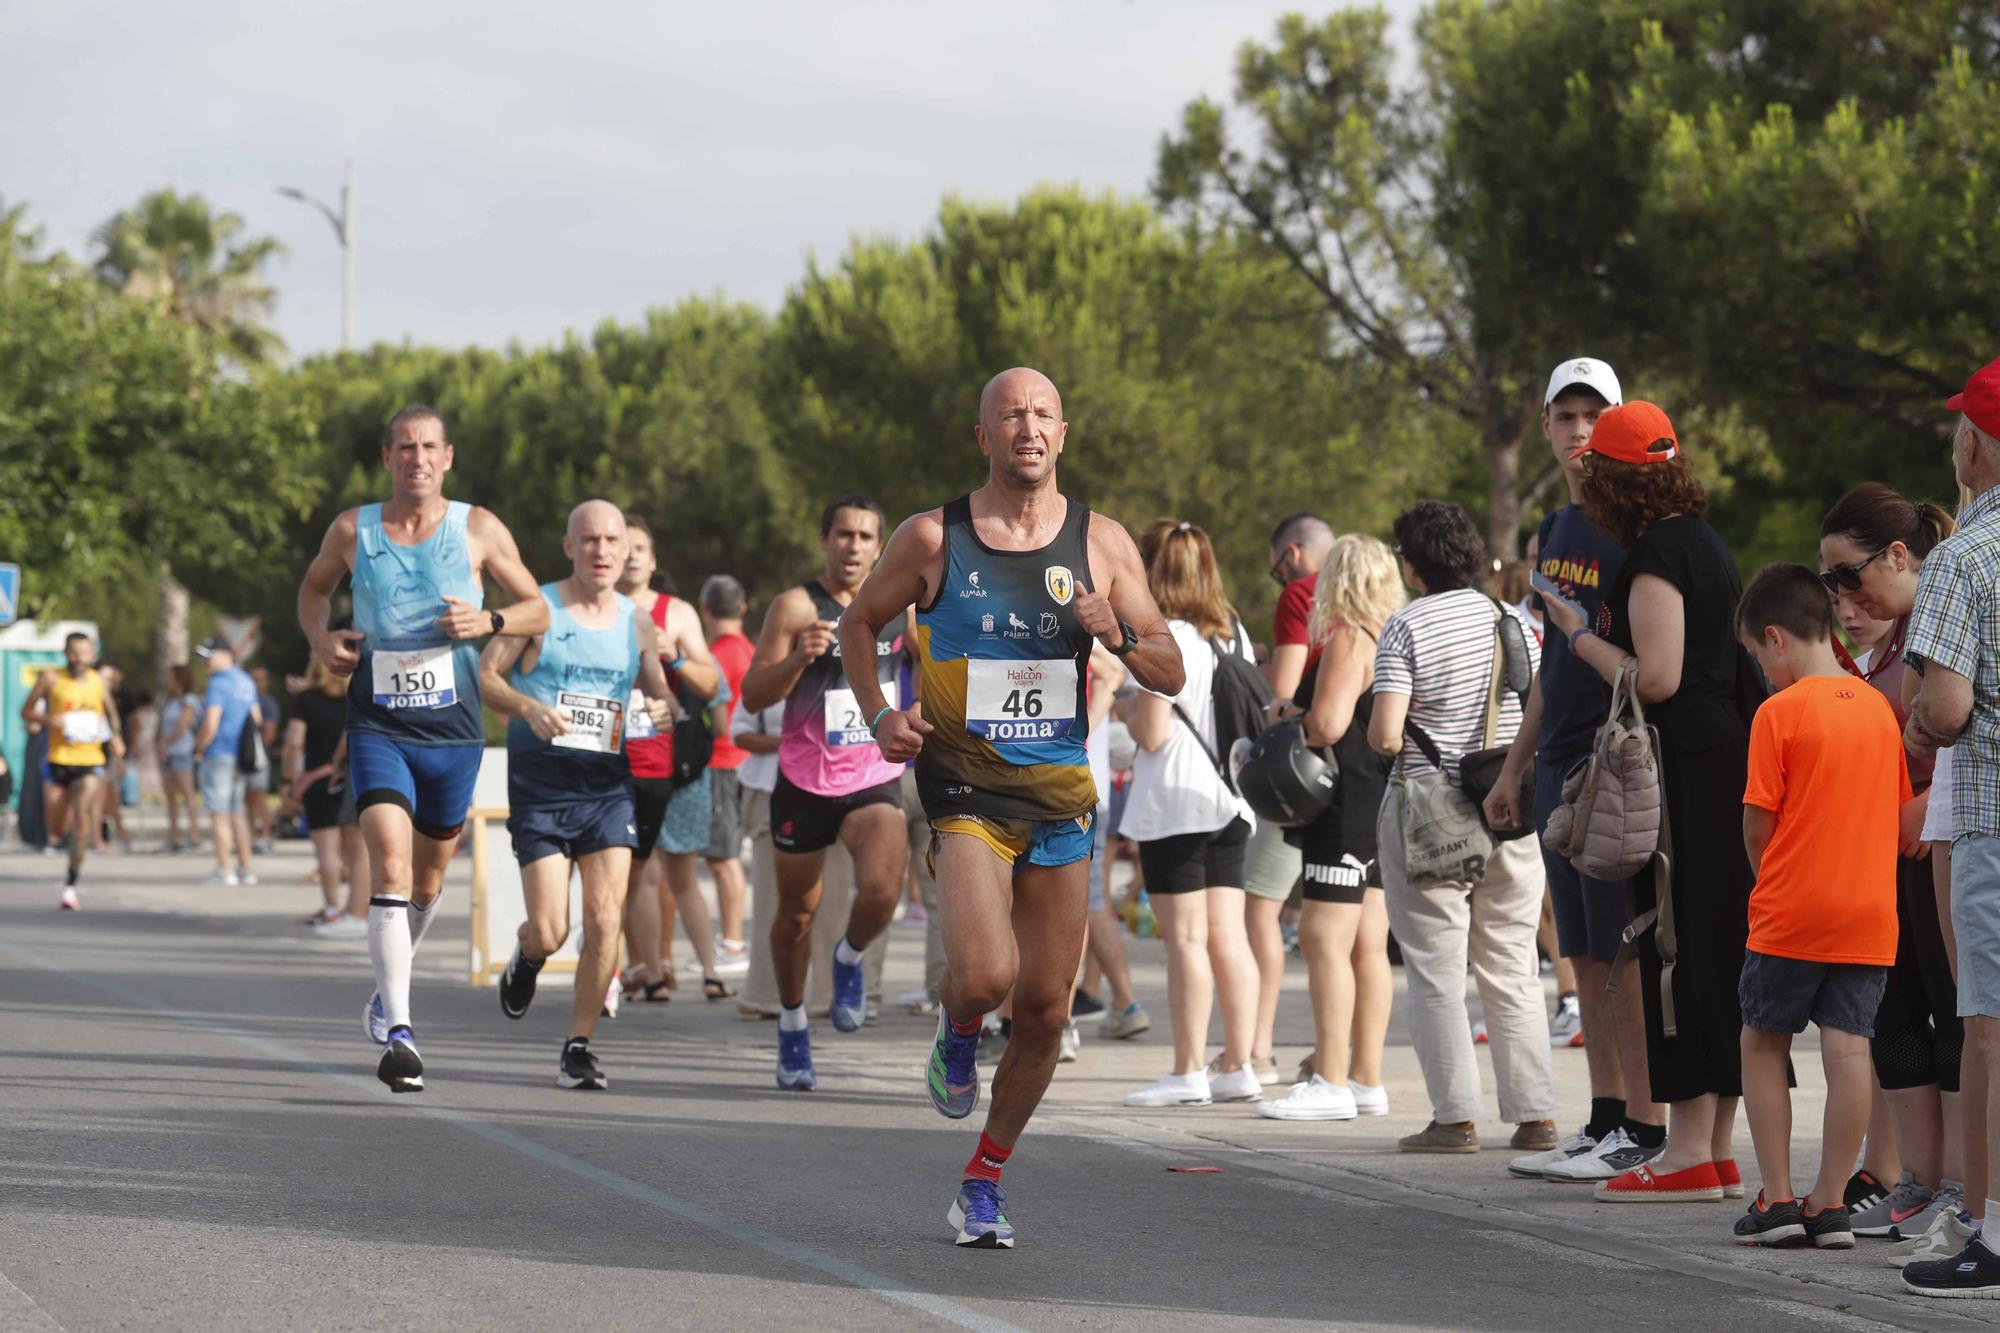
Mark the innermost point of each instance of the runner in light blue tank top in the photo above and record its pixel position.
(415, 733)
(569, 791)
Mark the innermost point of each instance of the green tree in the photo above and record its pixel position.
(131, 457)
(1193, 368)
(175, 252)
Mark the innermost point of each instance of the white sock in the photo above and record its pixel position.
(391, 950)
(792, 1020)
(420, 920)
(846, 954)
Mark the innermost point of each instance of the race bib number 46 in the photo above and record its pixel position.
(1015, 702)
(422, 678)
(595, 724)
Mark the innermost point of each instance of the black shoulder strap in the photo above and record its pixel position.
(1075, 537)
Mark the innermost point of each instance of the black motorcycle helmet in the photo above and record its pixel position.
(1284, 780)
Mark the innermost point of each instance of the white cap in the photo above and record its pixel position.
(1588, 372)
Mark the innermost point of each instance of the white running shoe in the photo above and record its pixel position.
(732, 958)
(375, 1019)
(1367, 1100)
(1615, 1154)
(1070, 1044)
(1566, 1027)
(1238, 1085)
(1947, 1236)
(246, 878)
(223, 879)
(1316, 1099)
(1535, 1163)
(342, 927)
(69, 901)
(1174, 1090)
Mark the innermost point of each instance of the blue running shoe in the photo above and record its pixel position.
(795, 1061)
(953, 1079)
(849, 1009)
(977, 1217)
(377, 1020)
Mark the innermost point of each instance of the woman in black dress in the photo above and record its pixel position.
(1673, 610)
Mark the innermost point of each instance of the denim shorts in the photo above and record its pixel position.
(221, 784)
(1783, 994)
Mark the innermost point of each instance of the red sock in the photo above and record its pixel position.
(987, 1160)
(967, 1028)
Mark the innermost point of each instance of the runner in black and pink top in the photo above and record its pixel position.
(833, 782)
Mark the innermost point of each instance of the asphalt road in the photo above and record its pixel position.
(191, 1136)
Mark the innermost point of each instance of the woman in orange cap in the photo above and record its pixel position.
(1672, 611)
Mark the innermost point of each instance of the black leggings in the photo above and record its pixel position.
(1918, 1035)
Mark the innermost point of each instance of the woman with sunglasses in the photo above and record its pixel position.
(1872, 544)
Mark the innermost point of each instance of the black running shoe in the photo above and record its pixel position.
(1971, 1274)
(1778, 1225)
(517, 985)
(1084, 1006)
(1863, 1191)
(401, 1067)
(579, 1068)
(1829, 1228)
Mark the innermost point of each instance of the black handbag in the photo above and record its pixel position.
(1479, 770)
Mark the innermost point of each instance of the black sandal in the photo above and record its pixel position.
(713, 988)
(658, 992)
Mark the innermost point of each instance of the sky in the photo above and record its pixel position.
(523, 170)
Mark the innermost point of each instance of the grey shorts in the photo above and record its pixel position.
(1783, 994)
(1271, 866)
(1975, 916)
(725, 816)
(221, 784)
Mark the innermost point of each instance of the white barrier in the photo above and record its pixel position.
(497, 907)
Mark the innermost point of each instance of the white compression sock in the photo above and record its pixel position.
(792, 1020)
(845, 954)
(420, 920)
(391, 949)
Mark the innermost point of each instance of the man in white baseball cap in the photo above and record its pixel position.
(1568, 700)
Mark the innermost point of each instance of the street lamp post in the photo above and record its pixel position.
(343, 228)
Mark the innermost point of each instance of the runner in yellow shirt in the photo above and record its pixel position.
(83, 723)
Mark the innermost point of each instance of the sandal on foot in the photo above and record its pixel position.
(714, 988)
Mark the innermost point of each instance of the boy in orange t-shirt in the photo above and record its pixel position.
(1820, 821)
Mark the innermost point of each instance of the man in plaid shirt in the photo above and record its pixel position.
(1955, 643)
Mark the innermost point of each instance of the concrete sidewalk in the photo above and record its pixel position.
(1444, 1210)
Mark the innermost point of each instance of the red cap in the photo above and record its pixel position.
(1628, 434)
(1980, 400)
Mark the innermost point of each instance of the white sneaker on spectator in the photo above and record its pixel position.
(1174, 1090)
(1947, 1236)
(1367, 1100)
(342, 927)
(1479, 1033)
(1238, 1085)
(1615, 1154)
(732, 958)
(1566, 1027)
(1069, 1045)
(1532, 1166)
(246, 878)
(223, 878)
(1316, 1099)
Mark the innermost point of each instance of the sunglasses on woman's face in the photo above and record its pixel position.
(1847, 578)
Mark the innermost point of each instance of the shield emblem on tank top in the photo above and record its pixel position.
(1061, 585)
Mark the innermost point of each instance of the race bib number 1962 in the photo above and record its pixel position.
(595, 724)
(1020, 701)
(421, 678)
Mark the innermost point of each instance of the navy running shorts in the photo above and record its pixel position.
(572, 830)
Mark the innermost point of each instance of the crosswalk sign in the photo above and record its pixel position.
(10, 592)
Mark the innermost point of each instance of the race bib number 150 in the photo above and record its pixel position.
(1016, 702)
(422, 678)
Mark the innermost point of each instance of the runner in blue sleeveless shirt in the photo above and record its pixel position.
(1011, 583)
(569, 793)
(414, 731)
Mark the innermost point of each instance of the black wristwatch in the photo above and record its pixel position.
(499, 621)
(1131, 640)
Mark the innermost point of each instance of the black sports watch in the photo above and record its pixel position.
(1131, 640)
(499, 621)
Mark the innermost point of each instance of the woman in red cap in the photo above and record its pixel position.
(1672, 611)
